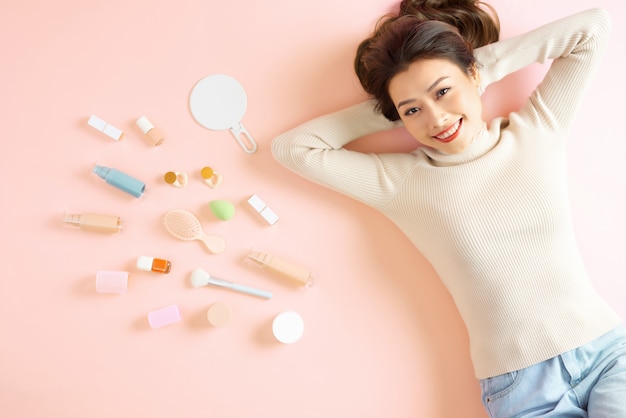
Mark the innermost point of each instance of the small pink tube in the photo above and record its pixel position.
(111, 282)
(164, 316)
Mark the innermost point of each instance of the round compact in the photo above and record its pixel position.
(219, 314)
(288, 327)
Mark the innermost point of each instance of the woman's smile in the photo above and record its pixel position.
(451, 133)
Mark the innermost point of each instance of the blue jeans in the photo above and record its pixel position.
(589, 381)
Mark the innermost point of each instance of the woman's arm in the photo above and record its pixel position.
(575, 43)
(315, 151)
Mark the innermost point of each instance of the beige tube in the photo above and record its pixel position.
(94, 222)
(285, 268)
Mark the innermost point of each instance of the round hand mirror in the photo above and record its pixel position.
(218, 102)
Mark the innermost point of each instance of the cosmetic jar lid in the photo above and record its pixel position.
(288, 327)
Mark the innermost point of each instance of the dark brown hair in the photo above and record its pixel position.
(422, 29)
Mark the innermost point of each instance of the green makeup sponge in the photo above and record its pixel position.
(222, 209)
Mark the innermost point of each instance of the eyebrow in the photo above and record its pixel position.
(429, 89)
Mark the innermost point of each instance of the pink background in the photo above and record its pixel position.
(382, 338)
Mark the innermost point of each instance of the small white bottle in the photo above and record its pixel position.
(148, 128)
(157, 265)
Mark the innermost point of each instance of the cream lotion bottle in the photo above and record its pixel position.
(94, 222)
(283, 267)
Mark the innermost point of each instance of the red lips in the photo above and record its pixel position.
(451, 133)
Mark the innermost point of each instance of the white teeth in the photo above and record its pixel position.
(450, 131)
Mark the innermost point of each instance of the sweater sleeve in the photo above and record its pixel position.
(575, 44)
(315, 150)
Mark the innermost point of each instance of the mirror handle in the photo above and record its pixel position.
(243, 137)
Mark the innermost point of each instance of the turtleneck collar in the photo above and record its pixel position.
(481, 144)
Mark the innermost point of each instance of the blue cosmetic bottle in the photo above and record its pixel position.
(120, 180)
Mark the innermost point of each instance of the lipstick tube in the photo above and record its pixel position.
(105, 127)
(283, 267)
(263, 210)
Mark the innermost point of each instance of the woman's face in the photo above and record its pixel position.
(438, 103)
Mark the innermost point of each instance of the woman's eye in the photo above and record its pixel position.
(411, 111)
(443, 91)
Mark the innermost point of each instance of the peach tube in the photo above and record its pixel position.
(94, 221)
(285, 268)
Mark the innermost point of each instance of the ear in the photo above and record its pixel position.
(474, 75)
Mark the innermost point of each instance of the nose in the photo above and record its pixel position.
(438, 117)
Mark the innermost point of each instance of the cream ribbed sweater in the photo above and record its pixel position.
(493, 221)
